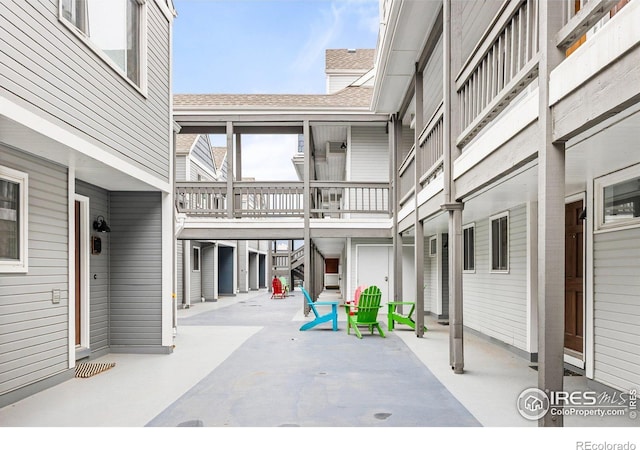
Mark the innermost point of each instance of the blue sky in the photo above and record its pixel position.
(265, 47)
(260, 46)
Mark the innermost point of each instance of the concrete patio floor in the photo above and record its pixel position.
(242, 362)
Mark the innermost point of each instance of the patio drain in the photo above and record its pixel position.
(382, 416)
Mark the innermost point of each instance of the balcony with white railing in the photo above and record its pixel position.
(431, 148)
(261, 199)
(502, 65)
(601, 43)
(582, 18)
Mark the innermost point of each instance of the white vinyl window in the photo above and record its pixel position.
(499, 242)
(196, 259)
(469, 245)
(618, 199)
(433, 246)
(13, 220)
(114, 29)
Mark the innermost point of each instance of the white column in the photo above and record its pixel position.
(168, 240)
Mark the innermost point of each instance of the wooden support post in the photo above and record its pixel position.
(419, 224)
(551, 212)
(238, 157)
(395, 133)
(308, 274)
(451, 117)
(230, 196)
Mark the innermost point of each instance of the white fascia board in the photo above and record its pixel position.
(168, 11)
(500, 132)
(383, 52)
(616, 37)
(431, 190)
(213, 111)
(369, 224)
(214, 223)
(405, 211)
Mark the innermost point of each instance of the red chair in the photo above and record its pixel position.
(277, 289)
(354, 303)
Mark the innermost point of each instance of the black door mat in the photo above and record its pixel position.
(86, 370)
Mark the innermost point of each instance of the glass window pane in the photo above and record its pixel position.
(468, 245)
(9, 220)
(622, 201)
(499, 244)
(495, 244)
(503, 243)
(113, 26)
(196, 258)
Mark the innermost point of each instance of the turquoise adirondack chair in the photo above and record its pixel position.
(332, 316)
(366, 313)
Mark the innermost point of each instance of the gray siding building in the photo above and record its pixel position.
(86, 188)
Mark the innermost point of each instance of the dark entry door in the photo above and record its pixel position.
(574, 272)
(78, 274)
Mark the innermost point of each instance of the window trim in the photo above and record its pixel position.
(466, 227)
(20, 265)
(194, 260)
(143, 58)
(508, 262)
(431, 239)
(600, 183)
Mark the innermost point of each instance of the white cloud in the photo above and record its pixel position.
(268, 157)
(337, 26)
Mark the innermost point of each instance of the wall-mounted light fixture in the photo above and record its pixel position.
(343, 146)
(101, 226)
(583, 214)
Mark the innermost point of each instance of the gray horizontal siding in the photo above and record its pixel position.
(208, 272)
(181, 168)
(617, 308)
(136, 269)
(243, 266)
(179, 273)
(196, 276)
(99, 269)
(369, 154)
(495, 303)
(33, 330)
(44, 64)
(336, 83)
(202, 152)
(476, 17)
(432, 83)
(431, 279)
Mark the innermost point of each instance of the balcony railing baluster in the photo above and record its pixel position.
(282, 199)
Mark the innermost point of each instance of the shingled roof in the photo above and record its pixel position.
(361, 59)
(218, 156)
(184, 142)
(348, 98)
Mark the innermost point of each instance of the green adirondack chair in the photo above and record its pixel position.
(393, 315)
(366, 314)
